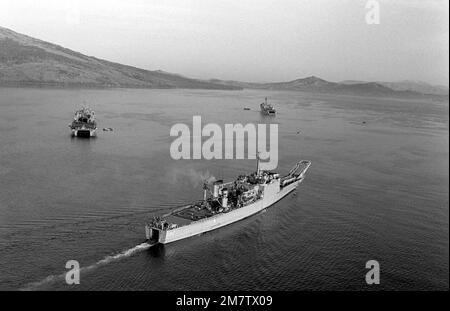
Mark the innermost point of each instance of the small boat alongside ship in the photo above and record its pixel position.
(225, 203)
(267, 109)
(84, 124)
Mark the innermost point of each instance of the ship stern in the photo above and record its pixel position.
(154, 235)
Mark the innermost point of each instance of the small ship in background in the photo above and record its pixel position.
(84, 124)
(267, 109)
(225, 203)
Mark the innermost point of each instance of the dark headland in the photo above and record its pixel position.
(26, 61)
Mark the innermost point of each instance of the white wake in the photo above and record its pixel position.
(104, 261)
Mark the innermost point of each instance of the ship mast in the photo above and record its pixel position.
(205, 189)
(257, 164)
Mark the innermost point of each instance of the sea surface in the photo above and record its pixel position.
(378, 189)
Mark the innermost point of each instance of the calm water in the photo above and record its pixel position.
(378, 190)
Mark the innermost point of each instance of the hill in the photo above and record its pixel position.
(26, 61)
(409, 85)
(317, 85)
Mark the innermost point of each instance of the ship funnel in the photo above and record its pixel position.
(224, 197)
(205, 189)
(216, 188)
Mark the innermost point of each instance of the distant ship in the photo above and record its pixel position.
(267, 108)
(226, 203)
(84, 124)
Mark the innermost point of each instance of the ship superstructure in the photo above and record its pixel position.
(267, 109)
(84, 124)
(224, 203)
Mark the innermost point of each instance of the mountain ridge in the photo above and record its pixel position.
(27, 61)
(318, 85)
(409, 85)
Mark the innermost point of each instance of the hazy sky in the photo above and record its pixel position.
(261, 40)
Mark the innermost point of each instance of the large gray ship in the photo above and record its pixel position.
(83, 124)
(267, 108)
(224, 203)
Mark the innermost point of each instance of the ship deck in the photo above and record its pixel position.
(187, 215)
(173, 219)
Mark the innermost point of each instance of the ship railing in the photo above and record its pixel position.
(176, 210)
(171, 226)
(161, 226)
(296, 173)
(91, 125)
(299, 169)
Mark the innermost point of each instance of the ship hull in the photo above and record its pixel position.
(84, 133)
(222, 219)
(267, 113)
